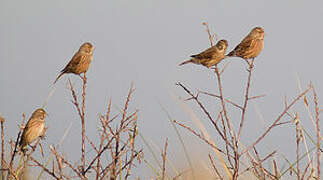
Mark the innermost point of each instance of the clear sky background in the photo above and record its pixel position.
(143, 41)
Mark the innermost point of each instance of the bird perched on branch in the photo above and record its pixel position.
(211, 56)
(251, 46)
(80, 62)
(34, 128)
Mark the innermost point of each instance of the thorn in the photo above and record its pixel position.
(189, 98)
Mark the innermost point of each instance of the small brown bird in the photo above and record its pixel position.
(34, 128)
(251, 46)
(211, 56)
(80, 62)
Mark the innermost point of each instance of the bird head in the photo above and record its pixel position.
(222, 45)
(258, 33)
(39, 113)
(87, 48)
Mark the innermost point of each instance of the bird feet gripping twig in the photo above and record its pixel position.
(250, 64)
(82, 77)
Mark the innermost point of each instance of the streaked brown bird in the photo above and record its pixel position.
(251, 46)
(34, 128)
(211, 56)
(80, 62)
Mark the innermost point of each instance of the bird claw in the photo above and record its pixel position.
(247, 62)
(81, 77)
(250, 64)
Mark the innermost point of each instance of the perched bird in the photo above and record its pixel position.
(34, 128)
(251, 46)
(80, 62)
(211, 56)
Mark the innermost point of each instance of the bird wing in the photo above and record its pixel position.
(77, 58)
(244, 45)
(34, 123)
(207, 54)
(33, 129)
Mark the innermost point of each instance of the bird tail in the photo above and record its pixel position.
(59, 76)
(232, 53)
(226, 56)
(23, 146)
(185, 62)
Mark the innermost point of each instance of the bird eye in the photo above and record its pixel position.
(220, 47)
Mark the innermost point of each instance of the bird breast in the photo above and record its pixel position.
(258, 47)
(84, 64)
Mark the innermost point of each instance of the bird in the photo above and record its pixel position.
(211, 56)
(34, 128)
(251, 46)
(80, 62)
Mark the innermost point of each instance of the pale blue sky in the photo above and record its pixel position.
(143, 41)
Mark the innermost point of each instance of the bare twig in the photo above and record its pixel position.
(81, 113)
(259, 164)
(164, 159)
(59, 165)
(83, 124)
(224, 108)
(254, 166)
(297, 146)
(108, 145)
(246, 98)
(2, 120)
(217, 96)
(275, 168)
(208, 32)
(228, 123)
(17, 140)
(110, 168)
(118, 132)
(92, 144)
(318, 151)
(256, 97)
(52, 173)
(130, 161)
(11, 172)
(132, 146)
(104, 122)
(75, 101)
(80, 175)
(204, 110)
(199, 136)
(276, 121)
(305, 170)
(14, 146)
